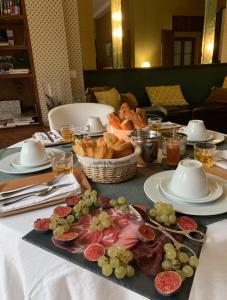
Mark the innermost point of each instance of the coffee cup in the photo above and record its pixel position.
(32, 153)
(94, 125)
(195, 130)
(189, 180)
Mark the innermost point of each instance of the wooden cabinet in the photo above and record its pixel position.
(19, 85)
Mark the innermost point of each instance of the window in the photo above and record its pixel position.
(183, 51)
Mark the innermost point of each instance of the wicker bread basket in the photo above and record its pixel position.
(110, 170)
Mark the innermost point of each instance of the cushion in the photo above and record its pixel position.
(110, 97)
(218, 95)
(90, 96)
(225, 83)
(129, 98)
(166, 95)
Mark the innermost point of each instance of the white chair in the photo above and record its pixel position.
(77, 114)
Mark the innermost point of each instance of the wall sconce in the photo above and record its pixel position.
(145, 64)
(116, 17)
(209, 31)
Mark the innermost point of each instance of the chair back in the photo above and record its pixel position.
(77, 114)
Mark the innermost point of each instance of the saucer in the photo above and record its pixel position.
(215, 190)
(6, 165)
(151, 189)
(79, 132)
(16, 163)
(208, 136)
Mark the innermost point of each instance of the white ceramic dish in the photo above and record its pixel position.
(16, 162)
(153, 192)
(7, 167)
(215, 190)
(215, 139)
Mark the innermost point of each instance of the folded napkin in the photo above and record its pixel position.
(72, 188)
(49, 138)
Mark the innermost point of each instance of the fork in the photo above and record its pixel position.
(41, 193)
(48, 183)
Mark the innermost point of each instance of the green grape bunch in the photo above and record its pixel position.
(163, 213)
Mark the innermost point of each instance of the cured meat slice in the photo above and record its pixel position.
(109, 236)
(149, 255)
(86, 237)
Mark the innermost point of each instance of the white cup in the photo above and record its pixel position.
(94, 124)
(195, 130)
(189, 180)
(32, 153)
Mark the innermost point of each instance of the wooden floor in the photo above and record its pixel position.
(10, 136)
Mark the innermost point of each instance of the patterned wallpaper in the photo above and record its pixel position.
(224, 39)
(49, 46)
(70, 8)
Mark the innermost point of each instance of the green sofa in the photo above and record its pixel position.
(195, 81)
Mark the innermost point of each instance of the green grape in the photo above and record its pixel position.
(89, 202)
(66, 227)
(152, 212)
(167, 224)
(93, 227)
(187, 271)
(114, 262)
(103, 260)
(94, 193)
(96, 203)
(95, 220)
(158, 219)
(124, 207)
(107, 270)
(78, 215)
(87, 192)
(113, 202)
(130, 271)
(171, 254)
(112, 251)
(121, 200)
(82, 203)
(120, 272)
(103, 215)
(158, 205)
(120, 249)
(85, 211)
(59, 230)
(167, 265)
(168, 246)
(183, 257)
(70, 218)
(170, 207)
(127, 256)
(93, 198)
(77, 208)
(54, 218)
(100, 227)
(52, 226)
(164, 218)
(106, 223)
(193, 261)
(172, 219)
(180, 272)
(176, 264)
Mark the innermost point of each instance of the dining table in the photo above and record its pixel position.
(28, 272)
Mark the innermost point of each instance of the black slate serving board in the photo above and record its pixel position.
(140, 283)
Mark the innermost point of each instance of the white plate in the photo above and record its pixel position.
(7, 167)
(16, 162)
(208, 136)
(217, 138)
(215, 190)
(151, 189)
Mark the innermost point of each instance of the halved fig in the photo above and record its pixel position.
(66, 237)
(94, 251)
(167, 282)
(146, 233)
(42, 225)
(186, 223)
(71, 201)
(104, 202)
(62, 211)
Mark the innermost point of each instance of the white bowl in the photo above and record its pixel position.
(189, 180)
(33, 153)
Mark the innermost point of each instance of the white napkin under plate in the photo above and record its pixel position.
(72, 188)
(221, 159)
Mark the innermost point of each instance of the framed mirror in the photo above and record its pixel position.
(155, 33)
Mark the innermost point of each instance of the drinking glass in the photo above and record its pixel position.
(204, 152)
(172, 151)
(62, 163)
(67, 133)
(154, 123)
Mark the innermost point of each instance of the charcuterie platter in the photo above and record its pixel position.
(134, 246)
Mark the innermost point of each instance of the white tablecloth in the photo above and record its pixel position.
(30, 273)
